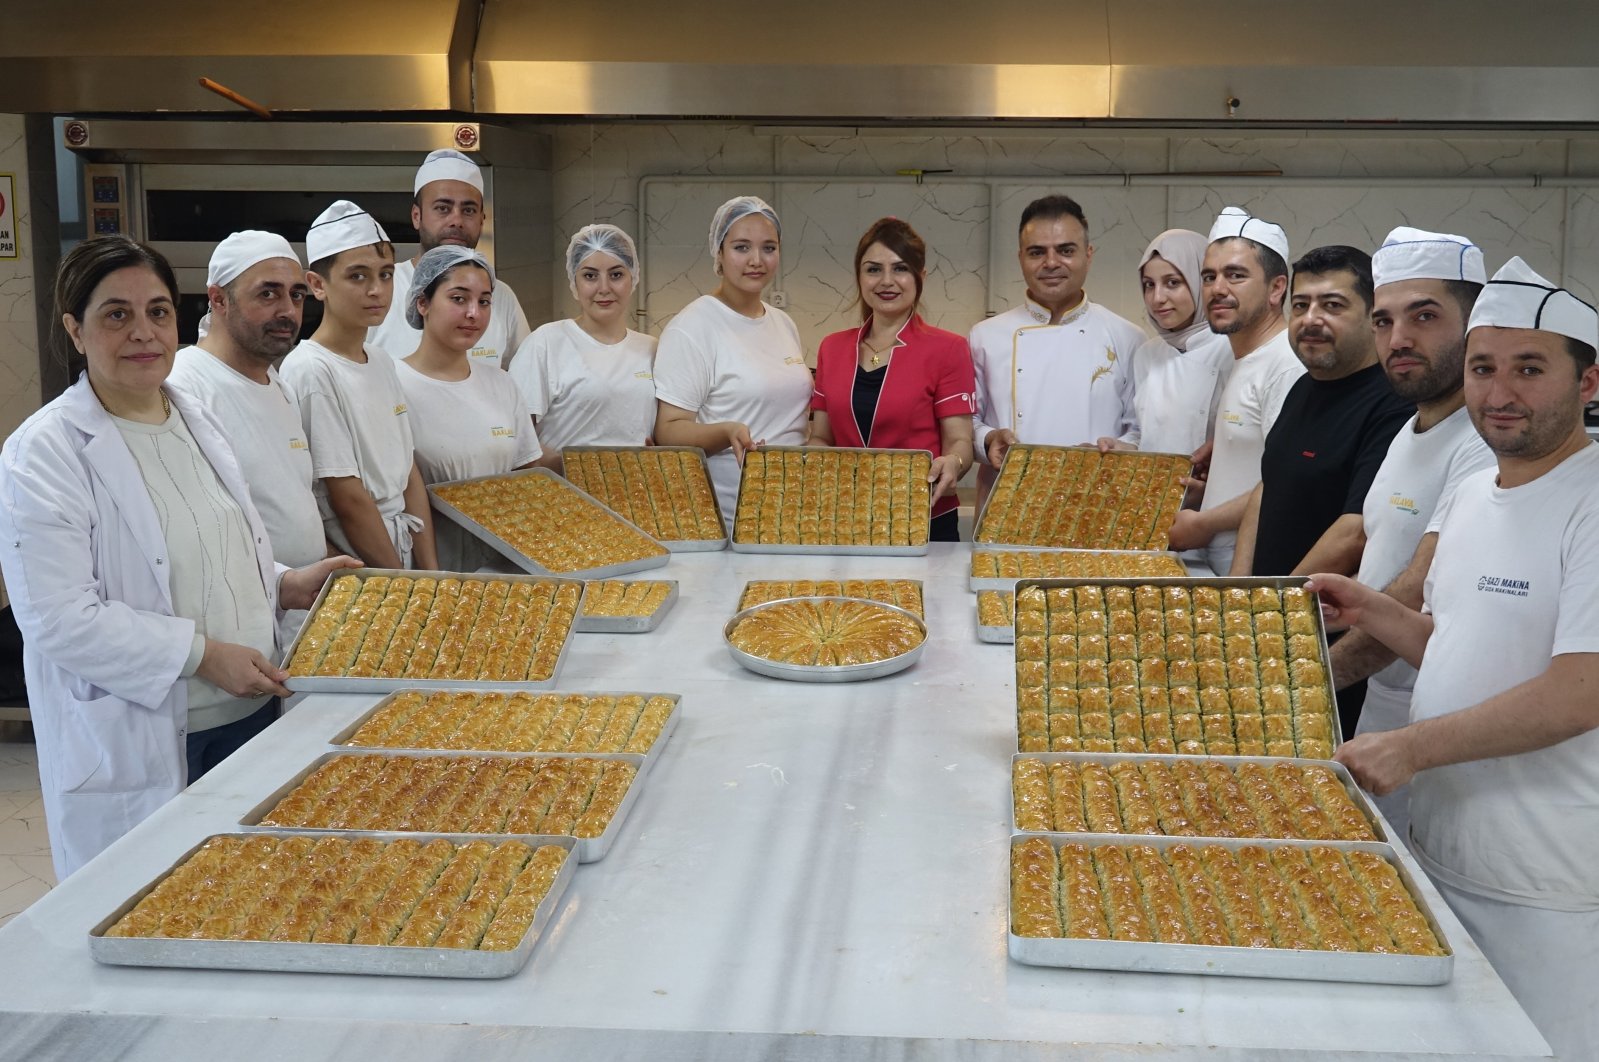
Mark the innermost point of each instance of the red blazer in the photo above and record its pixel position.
(929, 377)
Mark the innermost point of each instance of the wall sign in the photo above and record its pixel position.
(8, 216)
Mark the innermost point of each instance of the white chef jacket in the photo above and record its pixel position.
(1057, 385)
(1176, 392)
(506, 329)
(87, 570)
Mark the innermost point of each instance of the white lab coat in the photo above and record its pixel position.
(86, 566)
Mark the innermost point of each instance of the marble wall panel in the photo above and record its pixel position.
(19, 344)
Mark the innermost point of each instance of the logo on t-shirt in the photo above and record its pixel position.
(1232, 418)
(644, 374)
(297, 444)
(1496, 584)
(503, 433)
(399, 409)
(1404, 504)
(794, 360)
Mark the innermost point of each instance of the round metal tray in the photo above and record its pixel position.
(815, 673)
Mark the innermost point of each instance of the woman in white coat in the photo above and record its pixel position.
(138, 569)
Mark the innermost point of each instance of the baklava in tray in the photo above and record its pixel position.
(516, 722)
(833, 500)
(613, 606)
(904, 593)
(1185, 796)
(826, 632)
(1080, 498)
(665, 490)
(998, 569)
(374, 630)
(996, 616)
(1231, 667)
(547, 526)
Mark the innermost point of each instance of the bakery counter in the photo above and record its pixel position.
(812, 872)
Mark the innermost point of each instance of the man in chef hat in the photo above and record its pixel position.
(1245, 279)
(1426, 286)
(447, 208)
(256, 289)
(1501, 753)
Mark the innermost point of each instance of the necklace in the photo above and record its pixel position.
(877, 355)
(166, 403)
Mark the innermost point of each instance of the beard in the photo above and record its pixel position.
(255, 341)
(1444, 375)
(1542, 431)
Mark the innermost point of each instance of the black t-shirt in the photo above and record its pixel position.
(868, 388)
(1321, 456)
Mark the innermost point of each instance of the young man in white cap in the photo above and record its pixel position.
(1502, 755)
(1426, 285)
(447, 208)
(374, 505)
(1245, 277)
(1056, 370)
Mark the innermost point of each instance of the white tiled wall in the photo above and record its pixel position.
(969, 218)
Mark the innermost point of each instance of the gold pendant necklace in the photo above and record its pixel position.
(166, 403)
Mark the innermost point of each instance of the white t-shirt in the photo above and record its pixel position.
(584, 392)
(1176, 392)
(1514, 583)
(727, 367)
(506, 329)
(1250, 402)
(215, 579)
(1420, 471)
(355, 420)
(262, 422)
(478, 426)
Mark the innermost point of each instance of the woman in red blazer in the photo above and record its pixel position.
(896, 381)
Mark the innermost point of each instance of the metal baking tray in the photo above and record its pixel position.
(629, 624)
(999, 634)
(828, 550)
(1245, 582)
(346, 684)
(342, 738)
(291, 957)
(1229, 961)
(522, 560)
(977, 582)
(676, 545)
(587, 849)
(921, 591)
(982, 515)
(1359, 798)
(815, 673)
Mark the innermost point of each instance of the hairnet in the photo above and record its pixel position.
(605, 238)
(734, 209)
(433, 265)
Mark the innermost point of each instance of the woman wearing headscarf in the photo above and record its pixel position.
(896, 381)
(730, 373)
(588, 380)
(1178, 374)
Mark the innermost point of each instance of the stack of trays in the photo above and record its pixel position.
(665, 490)
(611, 606)
(546, 526)
(796, 499)
(375, 630)
(995, 572)
(1080, 498)
(901, 593)
(428, 906)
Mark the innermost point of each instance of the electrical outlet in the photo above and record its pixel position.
(780, 299)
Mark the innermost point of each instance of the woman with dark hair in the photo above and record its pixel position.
(138, 568)
(896, 382)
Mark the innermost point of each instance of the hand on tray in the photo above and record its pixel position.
(739, 441)
(942, 474)
(240, 671)
(1106, 444)
(298, 587)
(999, 440)
(1188, 531)
(1379, 763)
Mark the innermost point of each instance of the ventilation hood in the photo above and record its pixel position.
(1361, 62)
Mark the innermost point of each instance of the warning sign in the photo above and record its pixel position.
(8, 216)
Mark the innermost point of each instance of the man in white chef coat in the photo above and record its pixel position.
(1426, 286)
(1245, 277)
(1502, 754)
(1056, 370)
(448, 209)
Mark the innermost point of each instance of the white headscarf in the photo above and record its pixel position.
(1185, 250)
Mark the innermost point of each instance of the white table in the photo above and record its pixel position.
(814, 872)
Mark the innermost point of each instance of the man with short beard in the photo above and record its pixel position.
(1502, 754)
(1426, 284)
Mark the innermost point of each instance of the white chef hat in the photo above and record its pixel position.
(1415, 254)
(1517, 297)
(1236, 221)
(446, 164)
(603, 238)
(244, 249)
(741, 206)
(433, 265)
(341, 227)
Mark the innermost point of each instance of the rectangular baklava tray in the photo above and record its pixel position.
(425, 906)
(664, 490)
(998, 569)
(1077, 497)
(616, 606)
(996, 616)
(830, 500)
(1195, 666)
(546, 526)
(375, 630)
(904, 593)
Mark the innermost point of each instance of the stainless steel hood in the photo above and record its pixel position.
(1483, 63)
